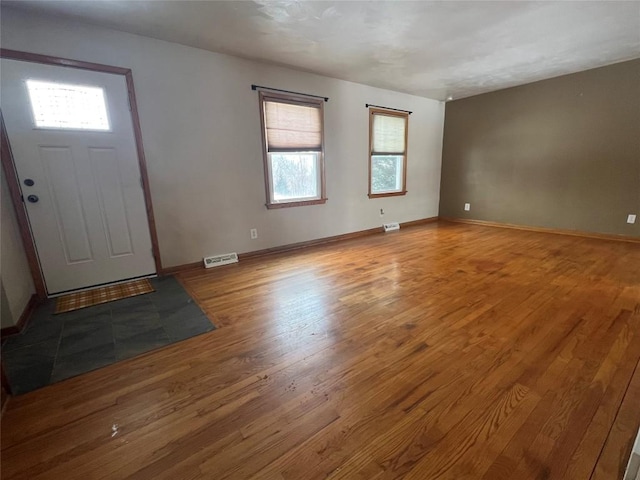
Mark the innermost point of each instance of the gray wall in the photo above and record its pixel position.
(561, 153)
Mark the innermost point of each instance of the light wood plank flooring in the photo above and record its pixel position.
(444, 351)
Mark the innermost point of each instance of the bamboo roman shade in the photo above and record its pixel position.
(388, 132)
(292, 127)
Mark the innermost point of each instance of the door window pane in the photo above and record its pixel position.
(69, 107)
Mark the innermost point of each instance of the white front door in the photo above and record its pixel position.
(76, 160)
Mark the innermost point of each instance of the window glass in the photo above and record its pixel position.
(68, 107)
(386, 173)
(295, 176)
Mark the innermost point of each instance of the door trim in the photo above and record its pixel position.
(8, 164)
(21, 214)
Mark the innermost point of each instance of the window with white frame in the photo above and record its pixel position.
(67, 107)
(388, 134)
(293, 139)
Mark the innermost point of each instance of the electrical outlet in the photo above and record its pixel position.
(254, 233)
(631, 218)
(467, 207)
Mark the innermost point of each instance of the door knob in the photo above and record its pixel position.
(28, 182)
(33, 198)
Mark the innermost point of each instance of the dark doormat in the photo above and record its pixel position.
(56, 347)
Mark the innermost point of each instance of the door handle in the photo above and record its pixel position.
(33, 198)
(29, 182)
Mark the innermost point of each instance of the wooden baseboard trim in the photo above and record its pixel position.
(297, 246)
(557, 231)
(181, 268)
(5, 387)
(31, 305)
(309, 243)
(422, 221)
(4, 398)
(333, 239)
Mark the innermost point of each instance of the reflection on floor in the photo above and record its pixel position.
(56, 347)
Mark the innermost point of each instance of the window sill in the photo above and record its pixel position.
(390, 194)
(318, 201)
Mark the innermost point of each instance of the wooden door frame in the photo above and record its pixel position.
(8, 164)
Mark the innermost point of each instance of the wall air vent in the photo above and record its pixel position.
(217, 260)
(390, 227)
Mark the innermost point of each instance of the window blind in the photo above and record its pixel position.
(292, 127)
(388, 134)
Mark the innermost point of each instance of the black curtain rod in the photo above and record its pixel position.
(255, 87)
(387, 108)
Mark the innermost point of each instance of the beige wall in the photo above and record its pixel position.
(201, 132)
(16, 285)
(560, 153)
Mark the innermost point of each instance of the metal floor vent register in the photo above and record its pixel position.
(218, 260)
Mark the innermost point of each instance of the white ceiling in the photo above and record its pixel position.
(431, 49)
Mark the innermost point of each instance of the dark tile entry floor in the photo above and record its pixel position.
(56, 347)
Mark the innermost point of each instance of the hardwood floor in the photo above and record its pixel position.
(446, 351)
